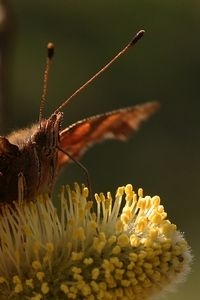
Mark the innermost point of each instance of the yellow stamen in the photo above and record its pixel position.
(111, 248)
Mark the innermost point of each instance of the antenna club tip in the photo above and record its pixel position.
(137, 37)
(50, 50)
(141, 32)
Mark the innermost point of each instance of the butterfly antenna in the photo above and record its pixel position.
(135, 39)
(49, 59)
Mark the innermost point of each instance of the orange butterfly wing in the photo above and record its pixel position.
(119, 124)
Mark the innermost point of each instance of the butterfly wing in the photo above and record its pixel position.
(119, 124)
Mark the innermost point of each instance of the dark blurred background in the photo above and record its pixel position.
(164, 156)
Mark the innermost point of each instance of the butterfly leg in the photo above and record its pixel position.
(21, 186)
(83, 168)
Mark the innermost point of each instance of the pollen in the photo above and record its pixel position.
(45, 288)
(121, 247)
(36, 265)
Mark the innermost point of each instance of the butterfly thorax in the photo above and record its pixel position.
(28, 160)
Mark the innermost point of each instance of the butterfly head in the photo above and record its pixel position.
(47, 134)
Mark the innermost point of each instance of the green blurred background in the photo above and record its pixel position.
(164, 157)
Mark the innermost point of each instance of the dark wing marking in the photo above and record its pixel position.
(118, 124)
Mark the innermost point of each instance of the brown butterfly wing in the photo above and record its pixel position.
(119, 124)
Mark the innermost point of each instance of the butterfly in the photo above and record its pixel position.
(31, 158)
